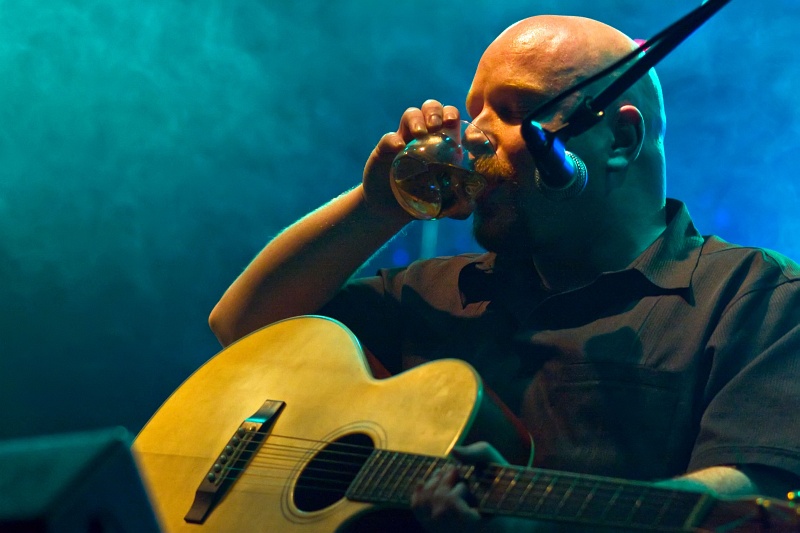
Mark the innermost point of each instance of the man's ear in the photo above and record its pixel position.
(628, 131)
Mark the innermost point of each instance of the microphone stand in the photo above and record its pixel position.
(591, 110)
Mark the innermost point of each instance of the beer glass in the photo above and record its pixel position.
(435, 176)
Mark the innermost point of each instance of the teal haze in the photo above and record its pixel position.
(149, 149)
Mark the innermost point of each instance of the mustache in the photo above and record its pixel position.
(494, 169)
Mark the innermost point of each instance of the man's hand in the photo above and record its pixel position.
(432, 116)
(441, 505)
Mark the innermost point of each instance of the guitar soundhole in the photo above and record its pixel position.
(326, 478)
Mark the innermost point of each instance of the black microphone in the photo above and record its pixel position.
(560, 174)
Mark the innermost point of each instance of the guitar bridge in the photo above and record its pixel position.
(233, 459)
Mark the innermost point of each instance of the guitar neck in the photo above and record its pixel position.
(388, 478)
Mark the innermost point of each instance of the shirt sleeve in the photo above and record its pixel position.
(370, 308)
(753, 387)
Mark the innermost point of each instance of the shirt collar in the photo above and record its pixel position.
(668, 263)
(672, 258)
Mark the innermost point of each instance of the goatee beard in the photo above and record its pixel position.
(498, 223)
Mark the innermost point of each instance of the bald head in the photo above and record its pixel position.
(529, 64)
(563, 51)
(572, 47)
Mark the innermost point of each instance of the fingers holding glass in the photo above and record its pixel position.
(433, 111)
(434, 176)
(413, 124)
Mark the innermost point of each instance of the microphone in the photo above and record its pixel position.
(560, 174)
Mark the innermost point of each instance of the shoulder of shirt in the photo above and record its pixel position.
(454, 261)
(431, 270)
(717, 250)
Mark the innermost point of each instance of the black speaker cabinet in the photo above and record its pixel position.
(80, 482)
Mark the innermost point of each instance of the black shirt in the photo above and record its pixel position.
(688, 358)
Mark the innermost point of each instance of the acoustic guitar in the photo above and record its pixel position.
(287, 430)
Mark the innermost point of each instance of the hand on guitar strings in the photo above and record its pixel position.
(442, 503)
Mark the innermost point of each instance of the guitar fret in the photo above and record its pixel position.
(417, 462)
(563, 504)
(491, 492)
(467, 471)
(527, 490)
(664, 506)
(623, 508)
(510, 489)
(570, 497)
(375, 480)
(363, 476)
(386, 472)
(390, 478)
(549, 507)
(398, 489)
(636, 506)
(631, 506)
(361, 489)
(586, 501)
(410, 478)
(683, 503)
(544, 494)
(610, 504)
(394, 476)
(598, 501)
(589, 497)
(433, 467)
(384, 477)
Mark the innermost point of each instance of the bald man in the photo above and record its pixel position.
(627, 344)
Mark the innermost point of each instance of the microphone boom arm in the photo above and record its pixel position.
(591, 110)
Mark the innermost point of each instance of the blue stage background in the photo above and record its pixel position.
(149, 149)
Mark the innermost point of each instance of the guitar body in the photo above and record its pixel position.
(287, 431)
(317, 367)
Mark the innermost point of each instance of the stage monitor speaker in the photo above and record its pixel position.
(84, 482)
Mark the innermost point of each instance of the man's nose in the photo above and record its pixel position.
(477, 141)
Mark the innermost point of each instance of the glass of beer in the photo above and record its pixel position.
(435, 177)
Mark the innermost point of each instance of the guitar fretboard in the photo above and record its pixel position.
(388, 478)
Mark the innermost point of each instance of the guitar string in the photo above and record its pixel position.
(645, 514)
(654, 513)
(280, 486)
(295, 453)
(268, 464)
(257, 482)
(265, 471)
(264, 462)
(299, 452)
(315, 446)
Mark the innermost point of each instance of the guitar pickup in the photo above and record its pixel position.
(234, 458)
